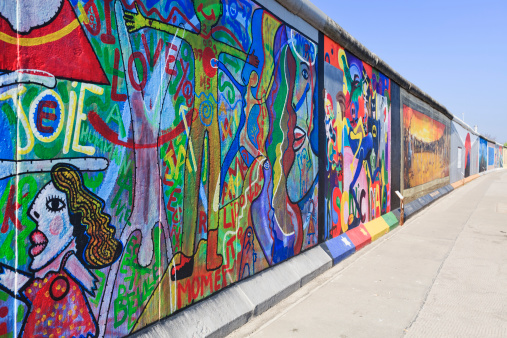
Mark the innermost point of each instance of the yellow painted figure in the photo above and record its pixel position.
(204, 126)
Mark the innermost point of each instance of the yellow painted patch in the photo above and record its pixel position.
(457, 184)
(377, 228)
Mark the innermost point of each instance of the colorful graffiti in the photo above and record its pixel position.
(151, 154)
(483, 155)
(491, 156)
(426, 150)
(497, 156)
(464, 152)
(358, 137)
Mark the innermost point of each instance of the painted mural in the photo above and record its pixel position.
(491, 156)
(497, 156)
(483, 155)
(153, 153)
(464, 153)
(500, 156)
(358, 141)
(426, 150)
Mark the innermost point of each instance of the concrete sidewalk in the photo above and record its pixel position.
(443, 274)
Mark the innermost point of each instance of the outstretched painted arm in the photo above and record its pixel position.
(11, 280)
(248, 58)
(137, 21)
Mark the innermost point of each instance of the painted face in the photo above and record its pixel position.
(54, 231)
(33, 16)
(304, 170)
(208, 12)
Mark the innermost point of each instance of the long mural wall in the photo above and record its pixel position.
(154, 153)
(358, 141)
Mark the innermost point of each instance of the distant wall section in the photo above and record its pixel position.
(464, 152)
(426, 146)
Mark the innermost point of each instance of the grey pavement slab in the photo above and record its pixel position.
(442, 274)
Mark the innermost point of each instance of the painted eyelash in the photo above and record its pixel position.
(54, 197)
(50, 197)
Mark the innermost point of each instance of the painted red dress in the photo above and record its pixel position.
(58, 307)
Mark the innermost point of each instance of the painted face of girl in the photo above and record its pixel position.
(54, 231)
(304, 170)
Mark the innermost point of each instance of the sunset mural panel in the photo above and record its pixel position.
(426, 151)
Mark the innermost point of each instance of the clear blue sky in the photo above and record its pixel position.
(456, 51)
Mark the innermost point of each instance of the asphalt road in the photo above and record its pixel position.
(442, 274)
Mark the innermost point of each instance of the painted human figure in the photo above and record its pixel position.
(73, 236)
(360, 139)
(241, 138)
(204, 125)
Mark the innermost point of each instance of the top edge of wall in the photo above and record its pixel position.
(319, 20)
(465, 125)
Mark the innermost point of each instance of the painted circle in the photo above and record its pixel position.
(188, 90)
(59, 288)
(207, 56)
(206, 113)
(46, 116)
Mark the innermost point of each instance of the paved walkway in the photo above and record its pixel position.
(443, 274)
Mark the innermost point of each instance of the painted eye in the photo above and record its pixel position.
(304, 72)
(55, 204)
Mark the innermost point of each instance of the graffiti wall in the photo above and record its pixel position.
(504, 157)
(358, 141)
(500, 156)
(152, 153)
(426, 146)
(483, 155)
(498, 151)
(464, 152)
(491, 156)
(426, 140)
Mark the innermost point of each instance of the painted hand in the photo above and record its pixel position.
(252, 59)
(135, 21)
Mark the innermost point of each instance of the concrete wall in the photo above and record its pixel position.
(498, 152)
(491, 155)
(358, 141)
(464, 152)
(425, 147)
(154, 153)
(483, 155)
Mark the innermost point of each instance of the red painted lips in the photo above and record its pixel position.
(299, 138)
(39, 242)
